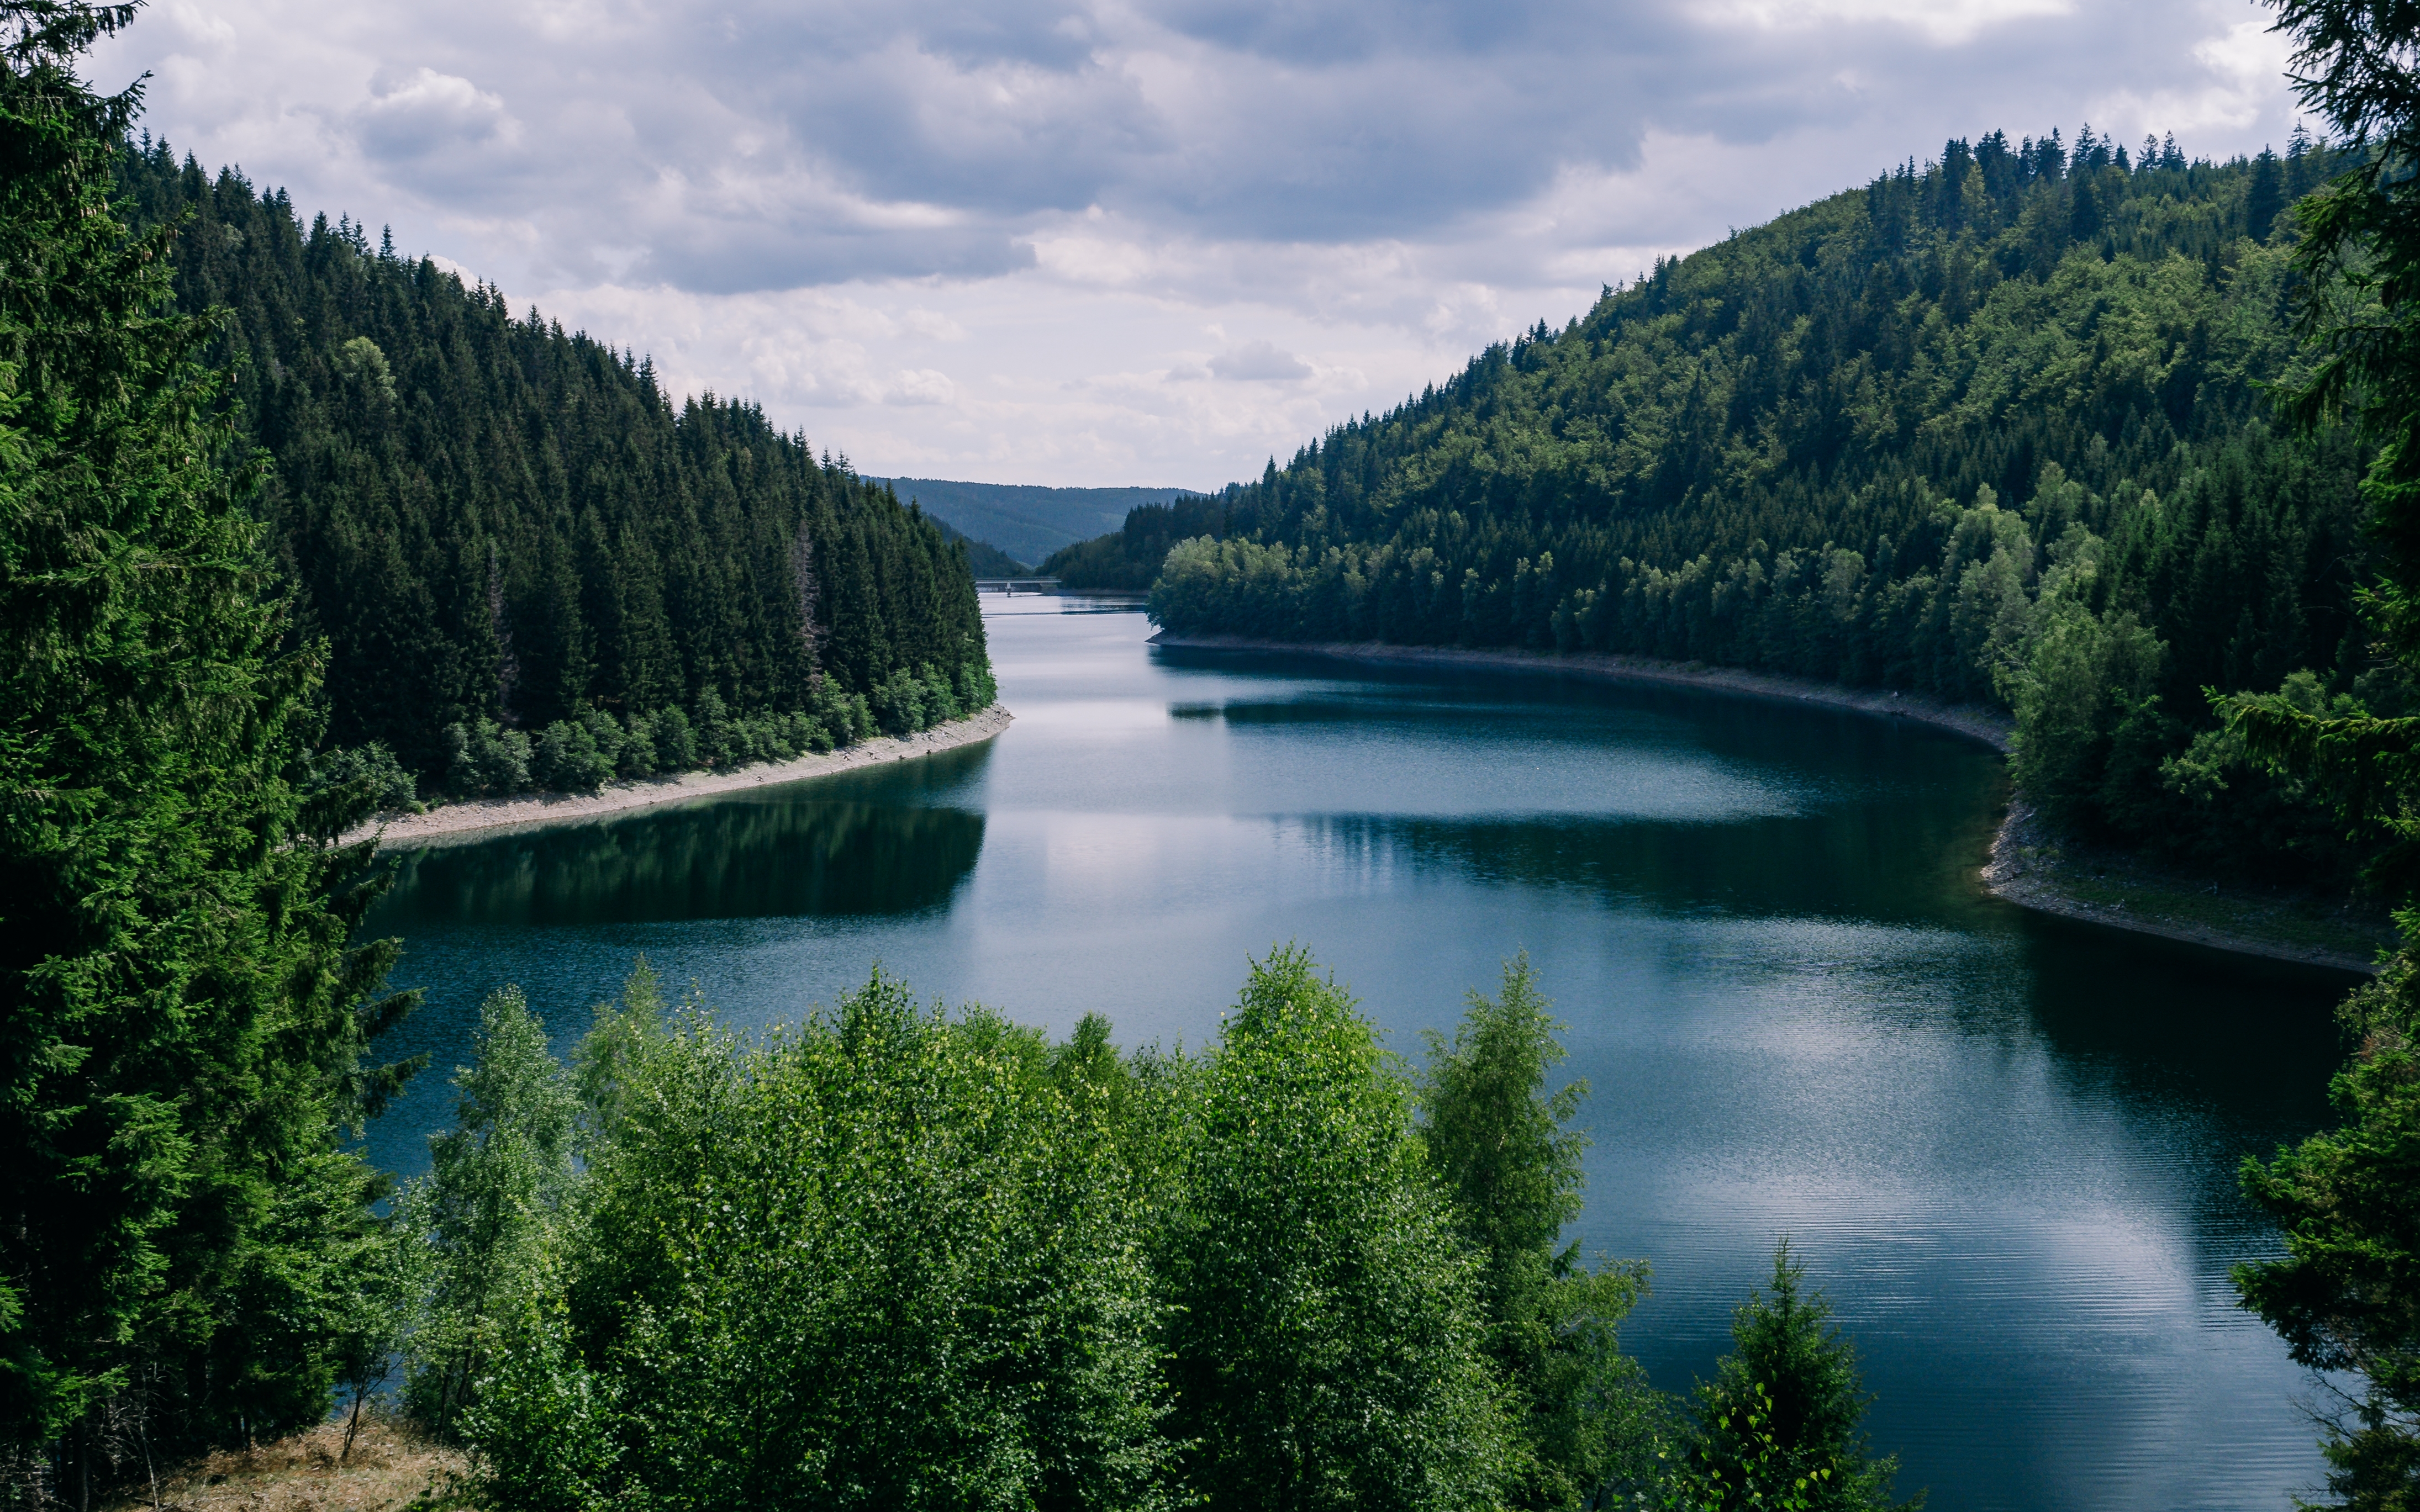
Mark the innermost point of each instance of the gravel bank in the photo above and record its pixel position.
(481, 817)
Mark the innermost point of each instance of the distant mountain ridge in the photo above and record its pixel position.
(1026, 521)
(983, 558)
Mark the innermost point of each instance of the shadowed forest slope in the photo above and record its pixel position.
(494, 520)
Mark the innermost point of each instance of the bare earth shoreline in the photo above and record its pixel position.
(484, 818)
(2027, 866)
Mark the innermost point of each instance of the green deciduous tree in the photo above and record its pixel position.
(481, 1227)
(1327, 1347)
(886, 1258)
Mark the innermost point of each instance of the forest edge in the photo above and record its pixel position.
(481, 819)
(2028, 865)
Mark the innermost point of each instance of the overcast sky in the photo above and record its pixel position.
(1126, 241)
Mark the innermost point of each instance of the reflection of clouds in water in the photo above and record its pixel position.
(2005, 1145)
(1098, 719)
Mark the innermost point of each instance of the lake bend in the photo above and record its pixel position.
(2004, 1143)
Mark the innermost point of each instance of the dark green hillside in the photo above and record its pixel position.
(983, 559)
(1992, 428)
(1027, 520)
(1130, 560)
(493, 520)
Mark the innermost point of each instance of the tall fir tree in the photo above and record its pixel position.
(183, 1015)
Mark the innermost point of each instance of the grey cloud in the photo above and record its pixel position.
(769, 144)
(423, 112)
(739, 258)
(1259, 360)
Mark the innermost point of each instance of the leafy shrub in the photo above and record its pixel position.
(848, 716)
(717, 742)
(638, 757)
(941, 698)
(899, 702)
(675, 740)
(373, 770)
(567, 760)
(482, 759)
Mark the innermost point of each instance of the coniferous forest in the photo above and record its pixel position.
(1996, 427)
(530, 565)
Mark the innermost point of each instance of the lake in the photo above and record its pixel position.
(2005, 1144)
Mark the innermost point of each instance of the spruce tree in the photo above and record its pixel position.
(1503, 1147)
(183, 1016)
(1781, 1425)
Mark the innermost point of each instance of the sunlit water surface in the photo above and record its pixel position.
(2004, 1144)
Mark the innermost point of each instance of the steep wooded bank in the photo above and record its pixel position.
(531, 565)
(1992, 428)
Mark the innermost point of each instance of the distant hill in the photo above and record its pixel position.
(1026, 522)
(987, 560)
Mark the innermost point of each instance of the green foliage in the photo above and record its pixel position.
(1500, 1145)
(1857, 445)
(2346, 1294)
(894, 1256)
(495, 523)
(1129, 559)
(888, 1258)
(366, 774)
(2349, 1204)
(179, 1227)
(481, 1227)
(1778, 1426)
(1327, 1343)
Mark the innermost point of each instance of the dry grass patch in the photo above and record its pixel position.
(391, 1468)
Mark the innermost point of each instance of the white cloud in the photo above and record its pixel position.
(1259, 360)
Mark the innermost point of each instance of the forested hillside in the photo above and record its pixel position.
(1992, 427)
(530, 564)
(1026, 521)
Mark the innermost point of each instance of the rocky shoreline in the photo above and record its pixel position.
(482, 818)
(2027, 867)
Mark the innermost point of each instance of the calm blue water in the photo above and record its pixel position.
(2004, 1143)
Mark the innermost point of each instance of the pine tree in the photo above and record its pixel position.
(2264, 197)
(185, 1018)
(2347, 1295)
(1781, 1425)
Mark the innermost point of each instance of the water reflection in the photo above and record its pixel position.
(2006, 1142)
(802, 852)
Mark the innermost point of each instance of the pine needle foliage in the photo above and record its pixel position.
(1779, 1426)
(504, 529)
(185, 1017)
(2346, 1296)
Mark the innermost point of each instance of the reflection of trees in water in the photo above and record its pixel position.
(2233, 1046)
(720, 860)
(1891, 863)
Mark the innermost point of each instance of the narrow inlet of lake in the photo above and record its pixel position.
(2004, 1144)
